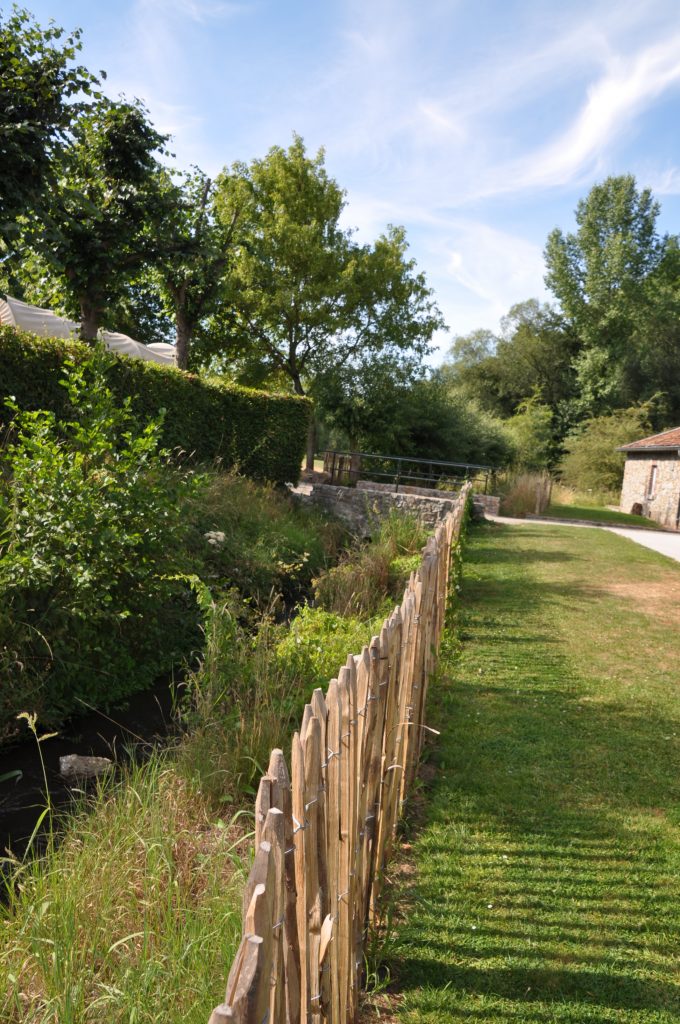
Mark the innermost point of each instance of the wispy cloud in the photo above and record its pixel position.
(431, 116)
(612, 105)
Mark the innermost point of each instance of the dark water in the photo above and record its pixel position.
(142, 723)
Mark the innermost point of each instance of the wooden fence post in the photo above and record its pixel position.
(324, 834)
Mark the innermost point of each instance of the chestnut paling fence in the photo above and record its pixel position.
(325, 829)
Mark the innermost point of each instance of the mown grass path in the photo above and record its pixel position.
(546, 883)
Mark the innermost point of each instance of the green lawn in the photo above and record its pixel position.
(599, 515)
(546, 872)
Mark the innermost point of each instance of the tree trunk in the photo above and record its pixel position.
(89, 321)
(183, 332)
(311, 429)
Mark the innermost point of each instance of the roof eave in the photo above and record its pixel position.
(649, 448)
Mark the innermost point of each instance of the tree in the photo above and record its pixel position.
(599, 275)
(305, 298)
(531, 429)
(39, 88)
(592, 462)
(105, 214)
(470, 349)
(533, 362)
(362, 402)
(199, 248)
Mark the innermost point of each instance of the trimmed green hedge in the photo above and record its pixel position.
(258, 434)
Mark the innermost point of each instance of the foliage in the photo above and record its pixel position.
(240, 703)
(198, 249)
(318, 642)
(305, 298)
(533, 359)
(532, 433)
(261, 435)
(370, 576)
(133, 913)
(604, 276)
(469, 349)
(393, 408)
(91, 537)
(252, 537)
(42, 90)
(592, 461)
(523, 492)
(105, 212)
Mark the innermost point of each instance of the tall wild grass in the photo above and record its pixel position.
(134, 914)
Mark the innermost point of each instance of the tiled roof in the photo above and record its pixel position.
(668, 439)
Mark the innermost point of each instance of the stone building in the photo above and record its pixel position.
(651, 479)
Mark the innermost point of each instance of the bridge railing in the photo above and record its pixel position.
(348, 468)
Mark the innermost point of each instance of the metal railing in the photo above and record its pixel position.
(347, 468)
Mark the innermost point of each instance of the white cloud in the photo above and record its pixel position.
(612, 105)
(494, 266)
(662, 182)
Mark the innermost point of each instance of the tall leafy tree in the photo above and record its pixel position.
(600, 275)
(42, 91)
(305, 297)
(532, 360)
(105, 216)
(199, 249)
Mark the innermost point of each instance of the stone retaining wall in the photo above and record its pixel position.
(424, 492)
(359, 507)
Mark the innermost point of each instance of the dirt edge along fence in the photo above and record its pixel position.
(324, 831)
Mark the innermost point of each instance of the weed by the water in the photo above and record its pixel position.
(133, 916)
(367, 576)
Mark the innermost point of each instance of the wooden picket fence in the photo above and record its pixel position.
(324, 831)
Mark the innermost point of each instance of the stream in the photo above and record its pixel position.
(144, 721)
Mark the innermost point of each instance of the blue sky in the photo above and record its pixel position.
(476, 125)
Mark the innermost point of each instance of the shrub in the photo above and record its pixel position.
(253, 537)
(592, 462)
(318, 642)
(261, 435)
(91, 536)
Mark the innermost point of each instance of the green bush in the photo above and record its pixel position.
(318, 642)
(260, 435)
(592, 462)
(255, 538)
(92, 537)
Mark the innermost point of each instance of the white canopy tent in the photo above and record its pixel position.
(48, 325)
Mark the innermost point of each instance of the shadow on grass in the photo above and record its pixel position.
(545, 872)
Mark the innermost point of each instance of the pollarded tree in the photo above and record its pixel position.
(306, 298)
(42, 91)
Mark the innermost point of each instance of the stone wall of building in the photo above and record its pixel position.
(664, 504)
(359, 507)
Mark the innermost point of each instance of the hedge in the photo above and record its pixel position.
(259, 434)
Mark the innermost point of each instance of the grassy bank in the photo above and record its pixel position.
(543, 885)
(599, 515)
(134, 916)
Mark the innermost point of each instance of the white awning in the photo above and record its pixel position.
(47, 324)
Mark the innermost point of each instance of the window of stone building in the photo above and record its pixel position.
(651, 489)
